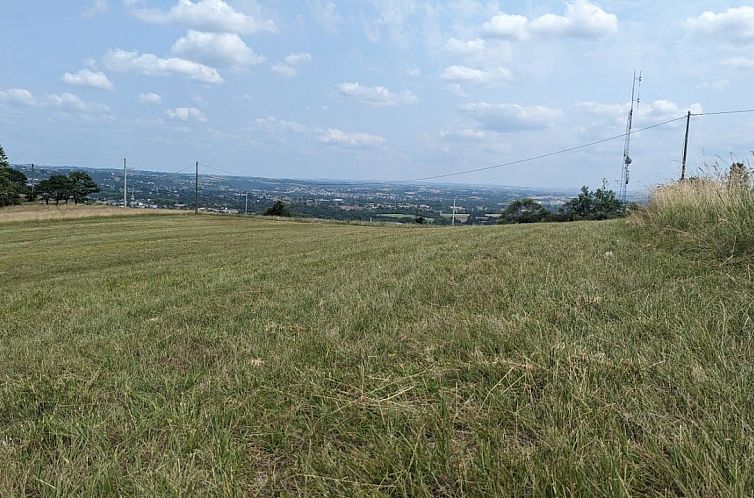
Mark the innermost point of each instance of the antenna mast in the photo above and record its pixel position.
(625, 167)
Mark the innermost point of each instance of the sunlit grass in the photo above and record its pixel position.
(212, 356)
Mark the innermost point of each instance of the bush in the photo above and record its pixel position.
(278, 209)
(524, 211)
(601, 204)
(714, 216)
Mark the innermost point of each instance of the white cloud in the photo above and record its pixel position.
(466, 135)
(298, 58)
(413, 72)
(743, 63)
(337, 137)
(479, 51)
(149, 98)
(18, 96)
(186, 114)
(511, 117)
(283, 70)
(86, 77)
(67, 102)
(735, 23)
(151, 65)
(582, 19)
(98, 8)
(219, 50)
(465, 74)
(72, 103)
(207, 15)
(506, 26)
(289, 67)
(376, 96)
(272, 124)
(326, 14)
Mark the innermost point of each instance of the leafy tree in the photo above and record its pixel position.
(278, 209)
(57, 187)
(524, 211)
(600, 204)
(12, 182)
(81, 185)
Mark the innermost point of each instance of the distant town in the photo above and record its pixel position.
(363, 201)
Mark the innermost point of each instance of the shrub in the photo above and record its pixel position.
(278, 209)
(524, 211)
(601, 204)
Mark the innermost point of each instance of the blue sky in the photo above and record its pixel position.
(374, 89)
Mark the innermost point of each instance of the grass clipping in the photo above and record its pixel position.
(712, 216)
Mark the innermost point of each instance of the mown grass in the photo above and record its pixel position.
(713, 217)
(208, 356)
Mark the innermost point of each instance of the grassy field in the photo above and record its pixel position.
(210, 356)
(44, 212)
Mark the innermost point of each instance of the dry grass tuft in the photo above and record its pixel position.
(713, 216)
(43, 212)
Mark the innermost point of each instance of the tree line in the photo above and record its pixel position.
(600, 204)
(14, 187)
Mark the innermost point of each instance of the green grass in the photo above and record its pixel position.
(210, 356)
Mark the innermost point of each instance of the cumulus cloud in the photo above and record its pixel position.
(507, 26)
(97, 8)
(735, 23)
(465, 74)
(149, 98)
(376, 96)
(18, 96)
(66, 102)
(216, 49)
(88, 78)
(290, 65)
(582, 19)
(124, 61)
(207, 15)
(511, 117)
(186, 114)
(341, 138)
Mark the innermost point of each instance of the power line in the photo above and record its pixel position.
(518, 161)
(218, 169)
(742, 111)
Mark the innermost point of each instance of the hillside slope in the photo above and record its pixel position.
(203, 356)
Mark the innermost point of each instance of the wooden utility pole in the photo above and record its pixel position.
(685, 147)
(246, 210)
(196, 190)
(32, 182)
(453, 223)
(125, 184)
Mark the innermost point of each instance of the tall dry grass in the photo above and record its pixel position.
(712, 215)
(43, 212)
